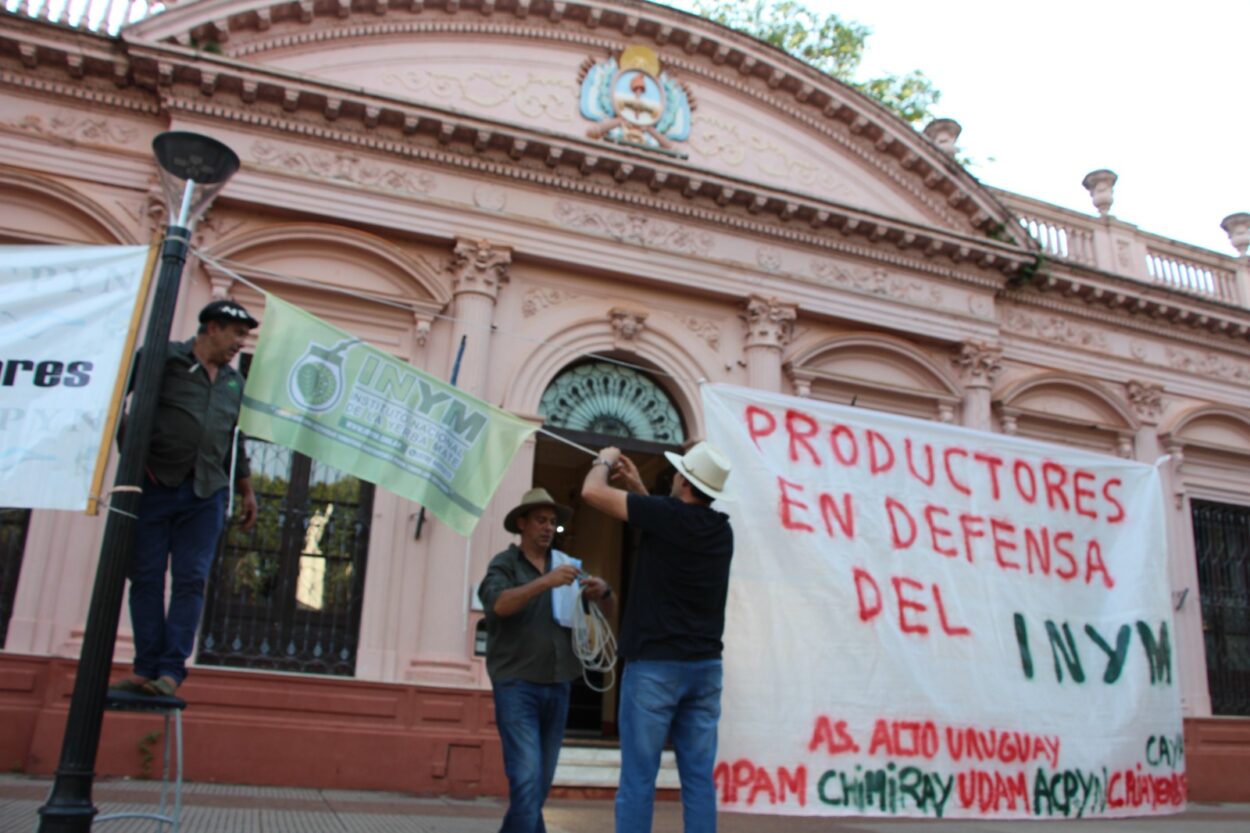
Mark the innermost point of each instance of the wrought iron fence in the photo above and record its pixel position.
(287, 594)
(13, 525)
(1222, 541)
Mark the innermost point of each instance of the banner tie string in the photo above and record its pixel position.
(490, 328)
(103, 499)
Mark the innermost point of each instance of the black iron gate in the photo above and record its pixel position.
(13, 525)
(287, 595)
(1222, 541)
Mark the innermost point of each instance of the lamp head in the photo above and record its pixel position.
(193, 169)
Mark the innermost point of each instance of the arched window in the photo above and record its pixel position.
(605, 398)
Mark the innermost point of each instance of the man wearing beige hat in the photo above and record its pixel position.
(529, 654)
(671, 632)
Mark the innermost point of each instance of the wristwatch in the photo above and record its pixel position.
(599, 461)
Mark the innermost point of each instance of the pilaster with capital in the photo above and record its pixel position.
(1146, 401)
(770, 327)
(978, 364)
(478, 269)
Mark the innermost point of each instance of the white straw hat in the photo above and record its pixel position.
(705, 466)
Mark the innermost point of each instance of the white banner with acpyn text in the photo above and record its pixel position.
(929, 621)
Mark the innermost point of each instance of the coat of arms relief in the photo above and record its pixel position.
(634, 102)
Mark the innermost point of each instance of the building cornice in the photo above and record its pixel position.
(1125, 302)
(192, 82)
(875, 133)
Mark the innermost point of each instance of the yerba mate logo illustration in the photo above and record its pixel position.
(316, 380)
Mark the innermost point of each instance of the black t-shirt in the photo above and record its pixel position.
(676, 607)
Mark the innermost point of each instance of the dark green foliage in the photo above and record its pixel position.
(828, 43)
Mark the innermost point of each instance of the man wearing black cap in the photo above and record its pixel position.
(529, 655)
(188, 467)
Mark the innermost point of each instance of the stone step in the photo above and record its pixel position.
(600, 766)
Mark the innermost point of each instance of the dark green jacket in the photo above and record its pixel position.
(528, 645)
(195, 421)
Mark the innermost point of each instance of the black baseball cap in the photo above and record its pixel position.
(227, 310)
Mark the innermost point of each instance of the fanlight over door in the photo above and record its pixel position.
(604, 398)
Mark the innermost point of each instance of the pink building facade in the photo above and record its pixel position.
(550, 183)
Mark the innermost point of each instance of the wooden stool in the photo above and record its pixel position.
(170, 708)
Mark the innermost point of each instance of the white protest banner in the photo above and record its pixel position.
(67, 312)
(930, 621)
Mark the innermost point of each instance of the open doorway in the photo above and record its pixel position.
(595, 403)
(605, 546)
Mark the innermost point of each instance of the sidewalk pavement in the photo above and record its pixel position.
(224, 808)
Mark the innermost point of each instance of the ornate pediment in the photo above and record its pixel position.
(631, 75)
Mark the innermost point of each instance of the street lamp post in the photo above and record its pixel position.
(193, 169)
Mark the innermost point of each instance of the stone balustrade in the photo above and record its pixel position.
(104, 16)
(1188, 274)
(1111, 245)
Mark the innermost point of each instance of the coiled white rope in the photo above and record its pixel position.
(594, 644)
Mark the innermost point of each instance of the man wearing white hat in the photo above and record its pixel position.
(671, 632)
(529, 654)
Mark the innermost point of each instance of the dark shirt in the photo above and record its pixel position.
(676, 606)
(527, 645)
(195, 419)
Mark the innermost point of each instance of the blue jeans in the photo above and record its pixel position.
(178, 531)
(668, 699)
(530, 718)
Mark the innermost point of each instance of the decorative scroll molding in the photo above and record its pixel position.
(637, 229)
(538, 299)
(345, 167)
(1056, 328)
(1208, 364)
(769, 259)
(533, 96)
(980, 306)
(479, 267)
(707, 330)
(86, 129)
(490, 198)
(732, 145)
(627, 324)
(875, 282)
(978, 363)
(1146, 400)
(770, 323)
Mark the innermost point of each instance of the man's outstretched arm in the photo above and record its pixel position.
(602, 495)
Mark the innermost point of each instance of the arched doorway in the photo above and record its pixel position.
(597, 403)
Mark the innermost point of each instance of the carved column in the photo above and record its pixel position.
(978, 364)
(770, 326)
(478, 269)
(1146, 400)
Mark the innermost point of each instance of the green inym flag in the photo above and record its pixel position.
(325, 393)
